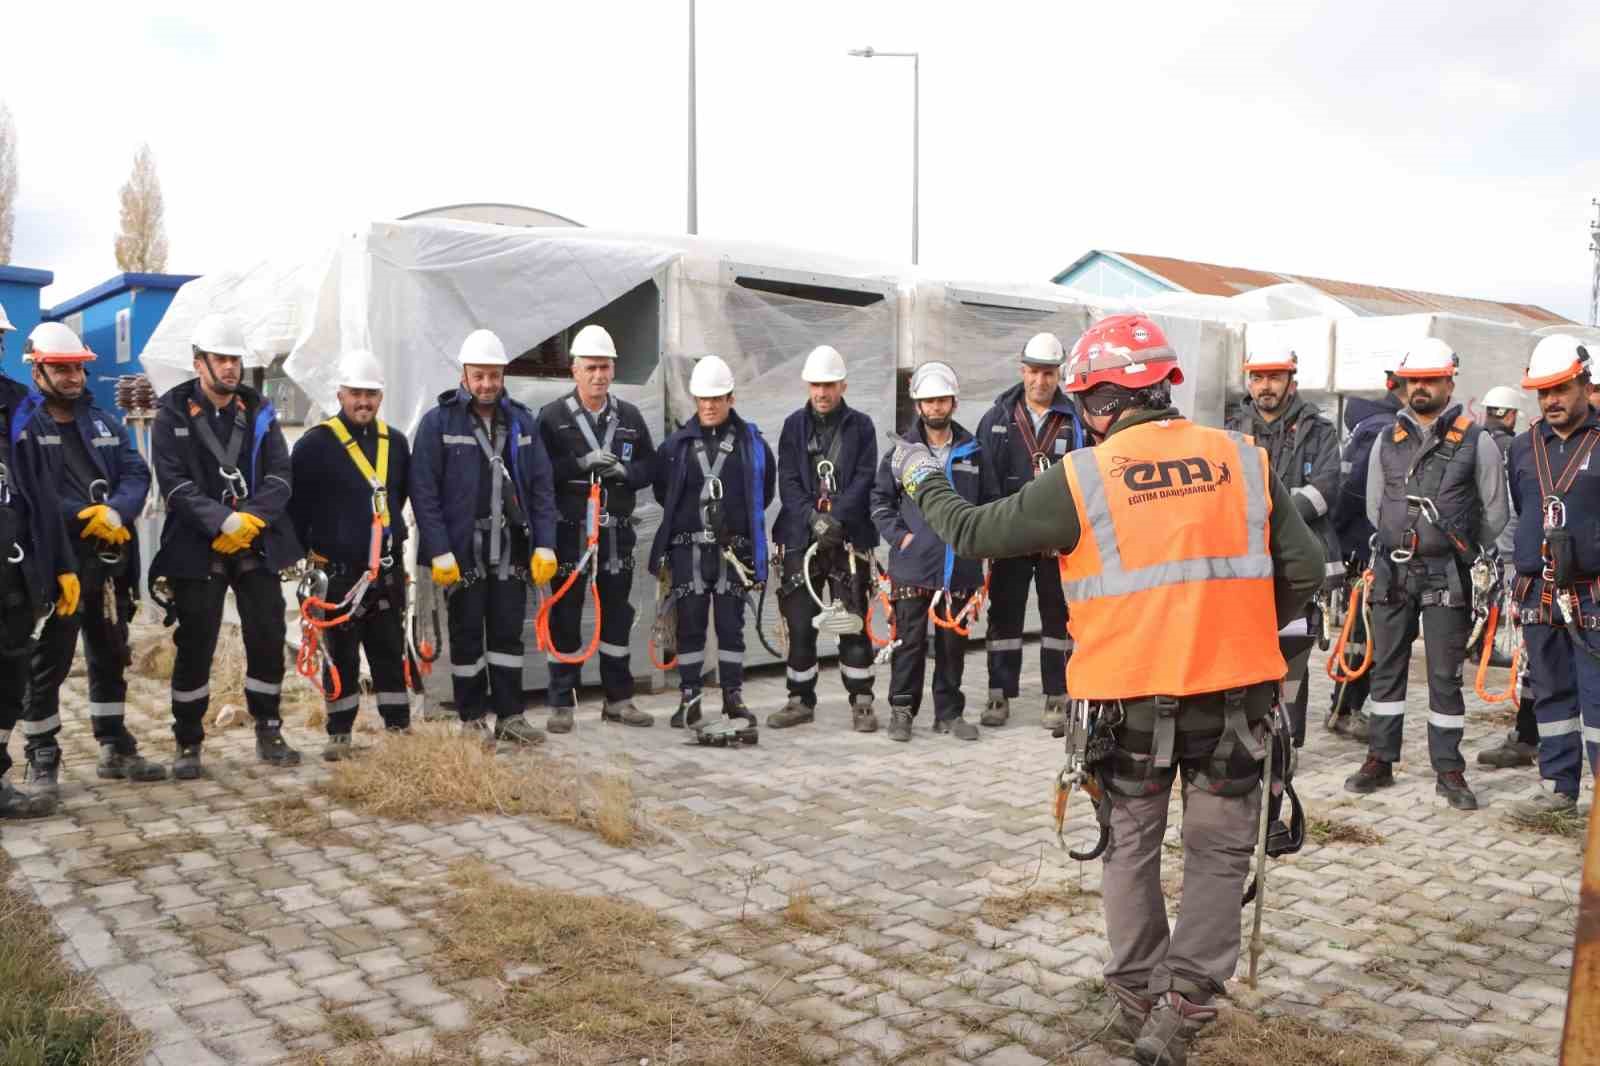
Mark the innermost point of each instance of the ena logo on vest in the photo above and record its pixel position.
(1163, 479)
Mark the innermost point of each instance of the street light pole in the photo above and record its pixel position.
(916, 133)
(694, 181)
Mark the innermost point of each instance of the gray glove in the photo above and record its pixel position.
(603, 463)
(911, 463)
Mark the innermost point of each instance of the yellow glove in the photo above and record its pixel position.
(445, 570)
(238, 531)
(250, 527)
(68, 603)
(104, 524)
(542, 566)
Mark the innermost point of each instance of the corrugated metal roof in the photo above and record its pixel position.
(1367, 299)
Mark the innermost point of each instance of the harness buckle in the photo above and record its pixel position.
(1041, 463)
(1408, 547)
(1555, 513)
(825, 476)
(234, 487)
(713, 488)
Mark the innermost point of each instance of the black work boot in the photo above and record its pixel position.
(959, 728)
(44, 768)
(1373, 775)
(688, 712)
(186, 767)
(626, 713)
(560, 720)
(17, 804)
(1173, 1023)
(1510, 752)
(1132, 1009)
(997, 711)
(862, 717)
(120, 760)
(733, 707)
(899, 723)
(793, 713)
(1452, 785)
(271, 748)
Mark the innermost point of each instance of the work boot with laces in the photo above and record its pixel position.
(1373, 775)
(271, 748)
(120, 760)
(1544, 805)
(626, 713)
(43, 777)
(1452, 785)
(733, 706)
(1055, 715)
(1131, 1011)
(959, 728)
(862, 717)
(1509, 753)
(560, 720)
(15, 803)
(688, 712)
(793, 713)
(516, 729)
(997, 711)
(1173, 1023)
(186, 767)
(900, 723)
(1353, 724)
(338, 748)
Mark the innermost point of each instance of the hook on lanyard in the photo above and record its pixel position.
(17, 554)
(1041, 462)
(825, 476)
(234, 487)
(1555, 513)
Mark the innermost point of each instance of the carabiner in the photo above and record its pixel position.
(234, 487)
(1555, 513)
(825, 476)
(713, 488)
(99, 490)
(1041, 463)
(17, 554)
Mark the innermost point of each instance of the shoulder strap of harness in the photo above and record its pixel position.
(227, 459)
(585, 422)
(1038, 446)
(377, 477)
(1559, 486)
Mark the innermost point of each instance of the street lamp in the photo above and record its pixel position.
(916, 126)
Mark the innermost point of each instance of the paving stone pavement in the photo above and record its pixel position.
(1454, 935)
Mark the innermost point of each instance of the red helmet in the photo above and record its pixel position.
(1127, 350)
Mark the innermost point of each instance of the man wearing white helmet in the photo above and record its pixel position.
(36, 561)
(593, 436)
(925, 575)
(223, 469)
(481, 491)
(1031, 426)
(1555, 489)
(713, 480)
(102, 482)
(827, 455)
(350, 475)
(1436, 495)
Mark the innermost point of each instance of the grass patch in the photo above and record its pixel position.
(1242, 1039)
(433, 773)
(294, 817)
(130, 863)
(1324, 831)
(50, 1015)
(1570, 825)
(804, 912)
(1004, 909)
(1469, 932)
(347, 1027)
(583, 995)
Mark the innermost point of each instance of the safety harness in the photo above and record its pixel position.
(1428, 470)
(587, 562)
(1039, 447)
(234, 487)
(713, 521)
(585, 422)
(1560, 579)
(959, 622)
(14, 591)
(497, 551)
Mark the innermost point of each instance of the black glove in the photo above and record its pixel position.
(826, 530)
(1307, 509)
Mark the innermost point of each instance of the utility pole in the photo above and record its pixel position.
(1594, 283)
(694, 181)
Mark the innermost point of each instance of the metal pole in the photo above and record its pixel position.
(916, 149)
(694, 182)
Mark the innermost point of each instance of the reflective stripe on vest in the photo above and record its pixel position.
(1170, 585)
(377, 478)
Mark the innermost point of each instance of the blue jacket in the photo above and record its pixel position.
(1007, 463)
(1582, 500)
(927, 562)
(674, 461)
(187, 475)
(33, 503)
(1365, 419)
(854, 468)
(445, 464)
(115, 459)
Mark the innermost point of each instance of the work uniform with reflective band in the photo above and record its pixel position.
(1017, 446)
(34, 551)
(1555, 490)
(570, 431)
(826, 463)
(483, 492)
(211, 462)
(1303, 451)
(1182, 556)
(713, 485)
(89, 460)
(1435, 494)
(344, 475)
(925, 568)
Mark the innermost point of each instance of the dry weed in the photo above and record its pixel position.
(1242, 1039)
(1324, 831)
(154, 853)
(803, 912)
(433, 773)
(348, 1027)
(295, 817)
(1570, 825)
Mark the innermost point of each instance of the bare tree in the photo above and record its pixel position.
(8, 183)
(142, 244)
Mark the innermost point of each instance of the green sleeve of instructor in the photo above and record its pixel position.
(1043, 517)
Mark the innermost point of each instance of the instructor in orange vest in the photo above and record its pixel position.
(1182, 557)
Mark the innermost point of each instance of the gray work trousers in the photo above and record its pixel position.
(1444, 639)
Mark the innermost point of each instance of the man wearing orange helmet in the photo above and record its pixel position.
(1436, 495)
(1182, 556)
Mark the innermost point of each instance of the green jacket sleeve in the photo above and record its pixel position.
(1042, 517)
(1297, 556)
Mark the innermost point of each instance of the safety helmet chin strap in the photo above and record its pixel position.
(216, 382)
(1109, 398)
(41, 378)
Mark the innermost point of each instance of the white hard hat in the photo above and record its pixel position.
(823, 365)
(593, 342)
(1268, 360)
(220, 335)
(1503, 398)
(482, 348)
(54, 342)
(1556, 359)
(710, 377)
(932, 380)
(1043, 349)
(1428, 358)
(360, 370)
(5, 323)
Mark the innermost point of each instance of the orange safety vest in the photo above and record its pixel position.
(1170, 586)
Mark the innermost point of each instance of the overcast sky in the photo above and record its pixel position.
(1432, 145)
